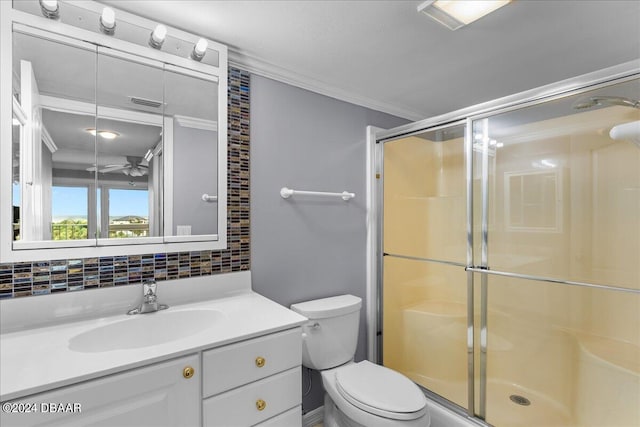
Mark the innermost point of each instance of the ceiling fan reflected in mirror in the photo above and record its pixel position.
(134, 167)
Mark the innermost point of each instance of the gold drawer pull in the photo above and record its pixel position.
(260, 361)
(261, 404)
(188, 372)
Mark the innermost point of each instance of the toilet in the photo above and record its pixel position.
(359, 394)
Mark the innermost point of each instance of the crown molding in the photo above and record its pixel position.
(48, 141)
(196, 123)
(263, 68)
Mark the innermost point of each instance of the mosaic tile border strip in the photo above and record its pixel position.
(51, 276)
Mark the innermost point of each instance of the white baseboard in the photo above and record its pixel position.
(313, 417)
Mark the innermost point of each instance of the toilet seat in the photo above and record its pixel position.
(380, 391)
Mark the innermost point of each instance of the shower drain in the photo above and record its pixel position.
(520, 400)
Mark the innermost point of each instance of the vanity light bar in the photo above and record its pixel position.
(107, 20)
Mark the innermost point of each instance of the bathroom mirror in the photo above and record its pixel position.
(112, 145)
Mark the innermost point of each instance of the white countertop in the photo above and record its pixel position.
(39, 359)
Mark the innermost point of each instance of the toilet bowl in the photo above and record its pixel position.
(359, 394)
(369, 395)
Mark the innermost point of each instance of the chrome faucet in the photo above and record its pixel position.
(149, 300)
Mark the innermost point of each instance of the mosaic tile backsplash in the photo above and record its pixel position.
(45, 277)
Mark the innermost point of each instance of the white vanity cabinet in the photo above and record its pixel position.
(246, 361)
(252, 382)
(164, 394)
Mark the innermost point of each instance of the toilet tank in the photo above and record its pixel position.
(330, 337)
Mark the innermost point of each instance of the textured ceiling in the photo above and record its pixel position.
(385, 55)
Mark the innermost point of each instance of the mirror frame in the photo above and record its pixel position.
(55, 30)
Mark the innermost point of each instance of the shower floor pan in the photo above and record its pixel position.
(502, 409)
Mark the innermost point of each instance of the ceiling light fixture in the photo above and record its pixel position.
(157, 36)
(199, 50)
(106, 134)
(108, 21)
(50, 9)
(458, 13)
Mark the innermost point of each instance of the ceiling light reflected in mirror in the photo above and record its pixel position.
(106, 134)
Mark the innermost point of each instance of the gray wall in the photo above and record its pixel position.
(195, 165)
(306, 248)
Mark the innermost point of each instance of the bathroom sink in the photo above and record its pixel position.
(145, 330)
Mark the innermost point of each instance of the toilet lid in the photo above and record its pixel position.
(380, 391)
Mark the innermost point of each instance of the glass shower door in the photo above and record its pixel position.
(560, 300)
(521, 300)
(425, 286)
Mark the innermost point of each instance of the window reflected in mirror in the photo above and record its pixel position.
(70, 212)
(129, 131)
(128, 212)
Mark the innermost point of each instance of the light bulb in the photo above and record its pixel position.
(50, 8)
(50, 5)
(157, 36)
(201, 46)
(108, 20)
(199, 50)
(108, 17)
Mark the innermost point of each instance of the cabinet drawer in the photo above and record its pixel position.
(254, 403)
(238, 364)
(291, 418)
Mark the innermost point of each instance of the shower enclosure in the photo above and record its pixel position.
(508, 248)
